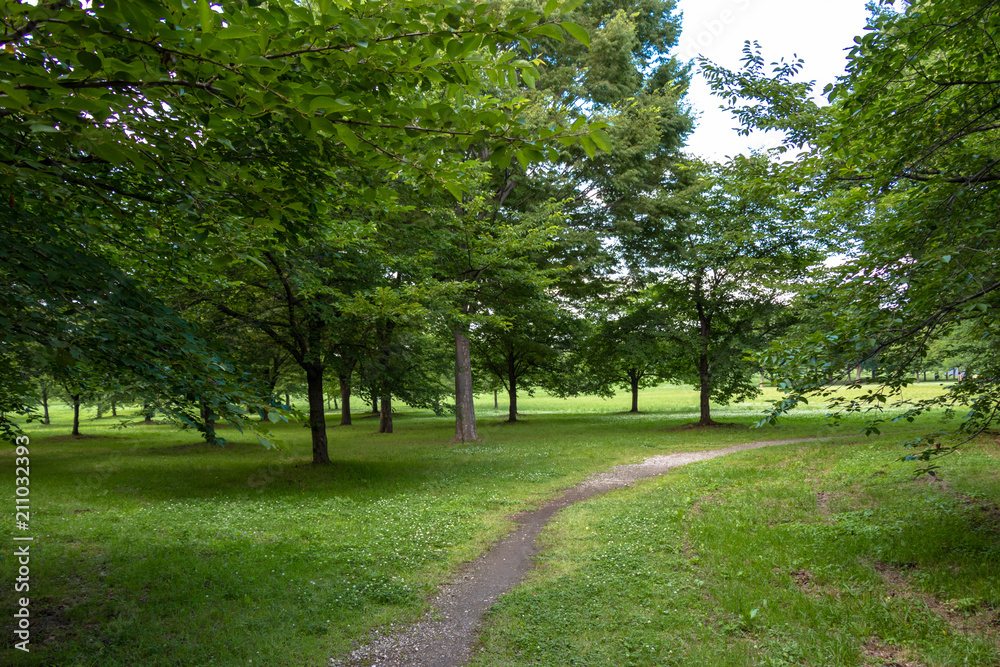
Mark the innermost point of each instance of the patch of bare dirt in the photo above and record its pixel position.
(823, 504)
(964, 620)
(933, 480)
(806, 582)
(877, 654)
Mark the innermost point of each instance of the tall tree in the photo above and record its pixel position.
(628, 348)
(724, 274)
(907, 157)
(527, 343)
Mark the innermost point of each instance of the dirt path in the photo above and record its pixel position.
(445, 635)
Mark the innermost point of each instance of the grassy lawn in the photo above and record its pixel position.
(154, 549)
(796, 555)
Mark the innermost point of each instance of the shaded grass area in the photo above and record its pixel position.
(152, 548)
(825, 554)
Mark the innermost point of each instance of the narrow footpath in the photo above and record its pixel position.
(445, 635)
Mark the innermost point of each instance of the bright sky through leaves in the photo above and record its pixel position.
(818, 32)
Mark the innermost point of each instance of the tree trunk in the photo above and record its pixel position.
(76, 414)
(45, 406)
(634, 382)
(288, 401)
(705, 381)
(147, 414)
(465, 409)
(496, 400)
(317, 417)
(208, 419)
(859, 373)
(385, 416)
(114, 409)
(345, 399)
(511, 390)
(374, 403)
(100, 411)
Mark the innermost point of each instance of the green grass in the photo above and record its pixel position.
(154, 549)
(798, 555)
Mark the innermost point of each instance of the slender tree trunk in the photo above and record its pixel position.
(288, 401)
(76, 414)
(465, 409)
(335, 406)
(317, 417)
(634, 382)
(345, 399)
(705, 379)
(45, 406)
(511, 389)
(859, 374)
(925, 376)
(114, 409)
(100, 411)
(496, 400)
(385, 416)
(208, 419)
(374, 402)
(704, 374)
(762, 378)
(147, 413)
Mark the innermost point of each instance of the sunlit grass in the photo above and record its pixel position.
(152, 548)
(797, 555)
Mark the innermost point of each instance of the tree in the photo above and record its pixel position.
(623, 76)
(723, 275)
(628, 348)
(528, 342)
(906, 156)
(294, 299)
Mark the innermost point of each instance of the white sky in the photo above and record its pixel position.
(818, 31)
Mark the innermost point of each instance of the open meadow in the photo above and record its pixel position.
(152, 548)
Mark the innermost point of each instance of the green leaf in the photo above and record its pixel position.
(349, 138)
(569, 6)
(550, 7)
(237, 32)
(329, 104)
(90, 60)
(578, 33)
(547, 30)
(206, 15)
(454, 188)
(601, 139)
(589, 147)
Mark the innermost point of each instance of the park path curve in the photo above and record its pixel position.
(445, 635)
